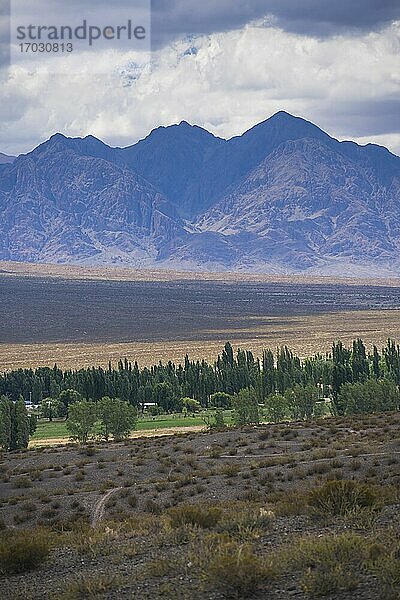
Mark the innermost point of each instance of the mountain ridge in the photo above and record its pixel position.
(283, 197)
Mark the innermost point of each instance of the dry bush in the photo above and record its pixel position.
(22, 482)
(232, 569)
(194, 514)
(24, 551)
(387, 570)
(344, 497)
(246, 526)
(328, 564)
(90, 587)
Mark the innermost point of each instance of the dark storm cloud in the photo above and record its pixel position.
(172, 19)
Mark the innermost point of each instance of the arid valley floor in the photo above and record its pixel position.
(82, 317)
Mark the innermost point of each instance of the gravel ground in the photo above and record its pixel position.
(108, 507)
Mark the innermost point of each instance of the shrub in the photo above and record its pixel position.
(152, 507)
(387, 571)
(90, 451)
(193, 514)
(87, 540)
(159, 567)
(342, 497)
(22, 482)
(329, 563)
(215, 451)
(246, 526)
(219, 421)
(235, 570)
(323, 582)
(132, 500)
(24, 551)
(90, 586)
(230, 470)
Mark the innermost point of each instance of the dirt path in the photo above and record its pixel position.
(97, 511)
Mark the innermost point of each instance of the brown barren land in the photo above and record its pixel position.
(304, 335)
(77, 317)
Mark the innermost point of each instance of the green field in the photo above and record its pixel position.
(58, 428)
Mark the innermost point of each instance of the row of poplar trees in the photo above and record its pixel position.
(166, 384)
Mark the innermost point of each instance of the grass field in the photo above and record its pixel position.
(58, 429)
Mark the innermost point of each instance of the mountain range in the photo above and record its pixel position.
(284, 197)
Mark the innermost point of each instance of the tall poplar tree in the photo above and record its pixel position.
(5, 423)
(20, 425)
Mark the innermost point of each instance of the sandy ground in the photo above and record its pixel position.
(129, 274)
(305, 335)
(258, 479)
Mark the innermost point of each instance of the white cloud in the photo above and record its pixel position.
(226, 82)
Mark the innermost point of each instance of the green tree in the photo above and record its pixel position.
(163, 395)
(369, 397)
(221, 400)
(82, 417)
(20, 425)
(359, 362)
(341, 373)
(245, 408)
(32, 424)
(301, 400)
(288, 369)
(392, 360)
(376, 369)
(276, 407)
(268, 374)
(51, 408)
(117, 418)
(5, 423)
(191, 405)
(68, 397)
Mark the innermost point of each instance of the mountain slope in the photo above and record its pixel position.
(176, 160)
(306, 204)
(194, 169)
(59, 205)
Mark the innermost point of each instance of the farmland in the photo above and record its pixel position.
(57, 430)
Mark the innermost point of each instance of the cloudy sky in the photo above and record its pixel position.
(224, 65)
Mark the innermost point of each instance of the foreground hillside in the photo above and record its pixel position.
(277, 511)
(284, 197)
